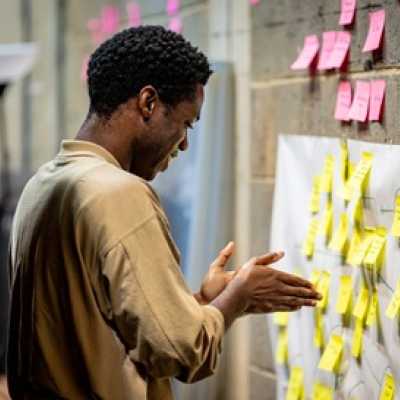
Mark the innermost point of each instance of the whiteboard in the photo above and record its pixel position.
(299, 159)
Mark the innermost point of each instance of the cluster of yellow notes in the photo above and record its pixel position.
(359, 245)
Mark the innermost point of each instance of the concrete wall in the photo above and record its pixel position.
(295, 103)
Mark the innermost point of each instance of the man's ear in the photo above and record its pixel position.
(147, 102)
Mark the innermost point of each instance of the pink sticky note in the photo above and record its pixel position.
(134, 14)
(340, 50)
(254, 2)
(109, 19)
(328, 44)
(175, 24)
(378, 88)
(343, 101)
(348, 8)
(173, 7)
(308, 54)
(376, 27)
(360, 105)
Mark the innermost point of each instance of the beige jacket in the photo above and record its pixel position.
(100, 309)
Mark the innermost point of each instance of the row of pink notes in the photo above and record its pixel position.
(348, 8)
(134, 14)
(176, 24)
(307, 54)
(254, 2)
(375, 31)
(367, 102)
(110, 19)
(173, 7)
(335, 48)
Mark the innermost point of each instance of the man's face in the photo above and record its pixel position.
(164, 135)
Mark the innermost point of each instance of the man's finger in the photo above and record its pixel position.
(224, 255)
(300, 291)
(269, 258)
(294, 301)
(295, 280)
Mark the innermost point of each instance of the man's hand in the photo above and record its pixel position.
(258, 288)
(217, 278)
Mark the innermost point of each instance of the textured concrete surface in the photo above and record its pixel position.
(285, 101)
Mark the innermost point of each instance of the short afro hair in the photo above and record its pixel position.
(148, 55)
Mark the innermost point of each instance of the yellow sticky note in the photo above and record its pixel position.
(327, 174)
(281, 318)
(373, 256)
(356, 182)
(308, 245)
(323, 289)
(315, 276)
(356, 343)
(344, 161)
(339, 237)
(396, 218)
(282, 347)
(345, 293)
(394, 306)
(361, 250)
(388, 390)
(322, 392)
(330, 359)
(373, 309)
(296, 384)
(362, 302)
(319, 329)
(327, 221)
(354, 243)
(315, 195)
(357, 214)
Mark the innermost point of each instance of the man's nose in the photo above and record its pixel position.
(183, 145)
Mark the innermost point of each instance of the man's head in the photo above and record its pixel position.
(146, 85)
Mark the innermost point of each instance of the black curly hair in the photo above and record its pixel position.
(148, 55)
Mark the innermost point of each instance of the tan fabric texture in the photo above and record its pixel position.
(99, 308)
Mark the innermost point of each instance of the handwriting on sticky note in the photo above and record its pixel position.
(360, 105)
(340, 50)
(347, 12)
(322, 392)
(315, 195)
(327, 221)
(173, 7)
(308, 245)
(343, 101)
(373, 309)
(378, 88)
(356, 183)
(134, 14)
(307, 54)
(296, 384)
(345, 293)
(176, 24)
(331, 357)
(328, 44)
(339, 237)
(396, 218)
(394, 306)
(356, 344)
(361, 306)
(376, 28)
(388, 390)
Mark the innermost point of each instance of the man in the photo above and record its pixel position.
(99, 307)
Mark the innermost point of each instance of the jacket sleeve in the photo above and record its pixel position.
(156, 316)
